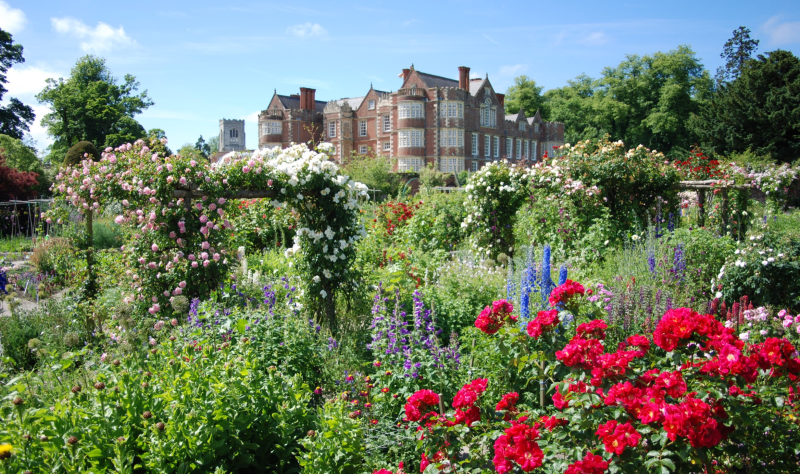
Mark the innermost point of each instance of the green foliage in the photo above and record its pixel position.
(16, 117)
(76, 153)
(758, 110)
(436, 224)
(650, 100)
(336, 444)
(374, 171)
(192, 406)
(259, 225)
(92, 105)
(430, 177)
(526, 95)
(22, 157)
(766, 268)
(736, 52)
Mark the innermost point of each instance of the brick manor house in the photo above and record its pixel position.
(456, 124)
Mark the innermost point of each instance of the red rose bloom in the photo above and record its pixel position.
(563, 293)
(544, 322)
(590, 464)
(420, 401)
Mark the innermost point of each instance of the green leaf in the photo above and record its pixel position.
(241, 326)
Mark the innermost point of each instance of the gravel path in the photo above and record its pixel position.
(26, 305)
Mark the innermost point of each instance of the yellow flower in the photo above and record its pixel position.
(5, 451)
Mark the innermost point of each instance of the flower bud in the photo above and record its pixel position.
(76, 389)
(160, 426)
(17, 401)
(99, 385)
(72, 440)
(147, 415)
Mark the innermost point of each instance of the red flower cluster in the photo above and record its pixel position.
(682, 323)
(464, 402)
(518, 445)
(508, 404)
(581, 352)
(393, 214)
(592, 330)
(692, 419)
(776, 354)
(563, 293)
(545, 321)
(617, 436)
(590, 464)
(421, 401)
(699, 166)
(551, 422)
(558, 398)
(493, 317)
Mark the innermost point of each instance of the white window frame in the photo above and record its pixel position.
(363, 149)
(474, 166)
(474, 144)
(522, 126)
(496, 141)
(332, 129)
(410, 164)
(452, 109)
(371, 105)
(411, 109)
(487, 146)
(451, 137)
(271, 128)
(509, 147)
(387, 123)
(411, 138)
(387, 146)
(519, 148)
(362, 128)
(527, 153)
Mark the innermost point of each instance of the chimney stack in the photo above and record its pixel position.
(502, 99)
(463, 77)
(303, 98)
(406, 73)
(312, 101)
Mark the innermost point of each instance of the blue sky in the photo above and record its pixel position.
(204, 60)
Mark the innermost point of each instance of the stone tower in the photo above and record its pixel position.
(231, 135)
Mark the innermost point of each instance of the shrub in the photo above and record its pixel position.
(375, 172)
(52, 255)
(192, 405)
(76, 153)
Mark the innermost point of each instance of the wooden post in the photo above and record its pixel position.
(701, 207)
(725, 212)
(90, 243)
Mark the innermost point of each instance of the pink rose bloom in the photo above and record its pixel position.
(178, 291)
(225, 181)
(172, 235)
(182, 284)
(205, 245)
(154, 248)
(194, 264)
(204, 255)
(269, 182)
(166, 293)
(205, 263)
(119, 220)
(193, 163)
(152, 265)
(169, 166)
(203, 219)
(245, 169)
(216, 257)
(154, 299)
(221, 201)
(212, 206)
(49, 221)
(204, 230)
(103, 357)
(170, 179)
(199, 206)
(173, 321)
(192, 257)
(182, 181)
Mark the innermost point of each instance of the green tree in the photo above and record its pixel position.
(202, 147)
(758, 111)
(16, 117)
(375, 172)
(526, 95)
(188, 150)
(21, 157)
(652, 100)
(736, 52)
(92, 105)
(213, 143)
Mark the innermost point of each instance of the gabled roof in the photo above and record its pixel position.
(535, 118)
(517, 116)
(437, 81)
(293, 102)
(353, 102)
(475, 86)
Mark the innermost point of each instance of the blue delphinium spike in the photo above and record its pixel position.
(546, 282)
(562, 275)
(524, 296)
(511, 284)
(651, 261)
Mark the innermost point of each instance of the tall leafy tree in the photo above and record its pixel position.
(651, 100)
(16, 117)
(759, 110)
(202, 147)
(736, 52)
(527, 96)
(93, 105)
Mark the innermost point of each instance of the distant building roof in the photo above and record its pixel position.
(475, 85)
(293, 102)
(437, 81)
(353, 102)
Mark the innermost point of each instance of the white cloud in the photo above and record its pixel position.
(782, 33)
(512, 71)
(100, 39)
(307, 30)
(598, 38)
(28, 80)
(11, 19)
(251, 117)
(39, 133)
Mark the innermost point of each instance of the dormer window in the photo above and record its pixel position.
(371, 105)
(522, 126)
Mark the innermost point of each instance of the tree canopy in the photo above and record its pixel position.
(525, 95)
(16, 117)
(92, 105)
(736, 52)
(759, 110)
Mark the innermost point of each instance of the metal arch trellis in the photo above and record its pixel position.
(34, 208)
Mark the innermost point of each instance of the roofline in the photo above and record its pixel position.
(434, 75)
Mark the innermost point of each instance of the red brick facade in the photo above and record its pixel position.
(456, 124)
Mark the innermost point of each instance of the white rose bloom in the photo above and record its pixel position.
(316, 279)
